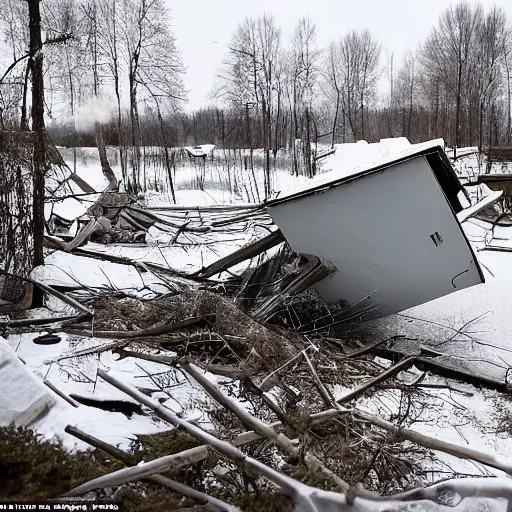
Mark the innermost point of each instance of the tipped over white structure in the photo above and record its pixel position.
(386, 217)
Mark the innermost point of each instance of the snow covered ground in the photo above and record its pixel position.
(472, 326)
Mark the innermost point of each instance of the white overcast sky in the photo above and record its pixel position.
(203, 27)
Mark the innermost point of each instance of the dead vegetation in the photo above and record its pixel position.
(287, 413)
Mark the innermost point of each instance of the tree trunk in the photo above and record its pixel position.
(509, 103)
(36, 57)
(105, 166)
(134, 118)
(307, 146)
(481, 127)
(457, 112)
(335, 122)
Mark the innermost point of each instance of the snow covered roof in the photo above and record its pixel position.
(355, 160)
(200, 150)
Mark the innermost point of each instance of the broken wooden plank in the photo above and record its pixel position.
(313, 271)
(242, 254)
(83, 235)
(82, 184)
(390, 372)
(444, 370)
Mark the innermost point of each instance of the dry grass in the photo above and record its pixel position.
(31, 468)
(261, 347)
(127, 314)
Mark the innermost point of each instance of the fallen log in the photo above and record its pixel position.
(82, 184)
(42, 321)
(169, 463)
(152, 331)
(249, 251)
(127, 458)
(363, 350)
(231, 372)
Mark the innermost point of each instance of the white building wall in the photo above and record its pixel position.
(377, 230)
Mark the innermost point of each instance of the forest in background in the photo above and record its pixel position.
(113, 75)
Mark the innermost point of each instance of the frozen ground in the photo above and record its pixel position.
(472, 326)
(78, 375)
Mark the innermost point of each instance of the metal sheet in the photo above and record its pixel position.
(391, 233)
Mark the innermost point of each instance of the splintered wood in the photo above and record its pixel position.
(285, 398)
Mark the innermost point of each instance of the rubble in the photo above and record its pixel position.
(238, 346)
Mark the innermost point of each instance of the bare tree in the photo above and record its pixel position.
(152, 59)
(353, 70)
(448, 52)
(405, 92)
(250, 77)
(304, 63)
(507, 63)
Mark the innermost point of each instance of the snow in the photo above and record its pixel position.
(72, 271)
(70, 208)
(78, 376)
(32, 397)
(473, 325)
(353, 158)
(478, 207)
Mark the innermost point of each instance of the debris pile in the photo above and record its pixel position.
(265, 394)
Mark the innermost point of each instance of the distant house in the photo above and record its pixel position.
(200, 151)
